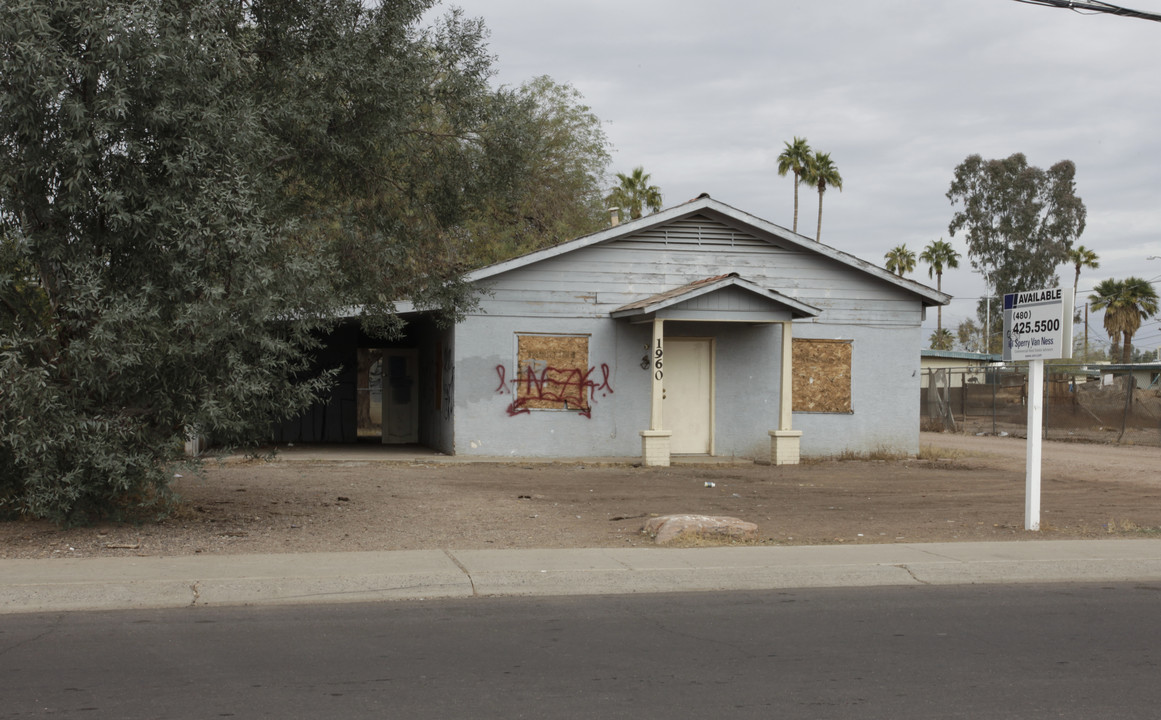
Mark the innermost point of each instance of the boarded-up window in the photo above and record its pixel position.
(551, 372)
(822, 376)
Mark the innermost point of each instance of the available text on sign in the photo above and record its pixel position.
(1038, 324)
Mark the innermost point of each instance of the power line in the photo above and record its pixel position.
(1093, 6)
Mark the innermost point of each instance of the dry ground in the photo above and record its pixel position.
(963, 488)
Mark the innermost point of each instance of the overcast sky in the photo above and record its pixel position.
(899, 92)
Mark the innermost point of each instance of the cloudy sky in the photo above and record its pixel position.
(898, 91)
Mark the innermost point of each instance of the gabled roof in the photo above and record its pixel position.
(708, 286)
(706, 205)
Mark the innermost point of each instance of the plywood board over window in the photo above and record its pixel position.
(822, 375)
(551, 372)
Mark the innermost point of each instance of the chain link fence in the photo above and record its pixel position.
(1086, 403)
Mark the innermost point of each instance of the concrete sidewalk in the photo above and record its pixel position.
(158, 582)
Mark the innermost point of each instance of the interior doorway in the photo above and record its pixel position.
(388, 403)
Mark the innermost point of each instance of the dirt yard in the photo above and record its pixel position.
(963, 488)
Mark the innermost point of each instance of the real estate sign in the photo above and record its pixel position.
(1037, 327)
(1038, 324)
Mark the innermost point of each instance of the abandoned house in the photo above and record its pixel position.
(697, 330)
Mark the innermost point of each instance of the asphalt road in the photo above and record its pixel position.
(1028, 651)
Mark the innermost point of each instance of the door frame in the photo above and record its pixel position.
(711, 342)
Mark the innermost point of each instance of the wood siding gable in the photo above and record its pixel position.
(591, 277)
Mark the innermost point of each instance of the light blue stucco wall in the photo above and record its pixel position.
(747, 367)
(619, 408)
(747, 370)
(884, 384)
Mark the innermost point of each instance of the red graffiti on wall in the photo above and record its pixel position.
(552, 387)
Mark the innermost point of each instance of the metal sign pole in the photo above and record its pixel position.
(1035, 420)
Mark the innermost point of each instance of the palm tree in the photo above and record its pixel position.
(821, 172)
(939, 255)
(1126, 303)
(1080, 256)
(942, 340)
(635, 193)
(794, 159)
(900, 260)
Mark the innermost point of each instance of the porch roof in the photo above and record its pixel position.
(723, 298)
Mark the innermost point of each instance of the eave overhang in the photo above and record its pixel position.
(724, 298)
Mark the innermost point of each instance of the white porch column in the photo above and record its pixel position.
(657, 370)
(786, 387)
(784, 442)
(655, 440)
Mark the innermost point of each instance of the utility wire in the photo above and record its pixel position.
(1094, 6)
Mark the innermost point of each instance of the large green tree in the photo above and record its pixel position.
(633, 193)
(189, 192)
(1125, 303)
(793, 159)
(821, 173)
(939, 256)
(1019, 222)
(555, 159)
(969, 336)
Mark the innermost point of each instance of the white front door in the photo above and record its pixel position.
(687, 392)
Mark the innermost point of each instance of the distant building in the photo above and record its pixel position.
(1146, 375)
(961, 366)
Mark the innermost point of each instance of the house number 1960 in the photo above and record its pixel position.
(658, 354)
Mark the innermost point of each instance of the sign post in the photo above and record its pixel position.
(1037, 327)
